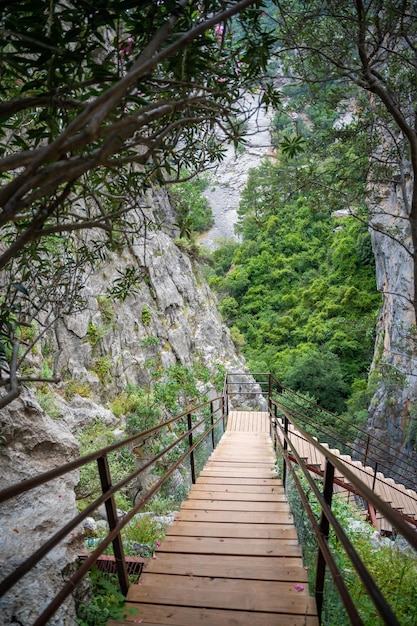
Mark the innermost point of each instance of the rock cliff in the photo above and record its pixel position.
(391, 415)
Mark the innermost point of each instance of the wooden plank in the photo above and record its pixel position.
(234, 480)
(217, 529)
(252, 568)
(242, 495)
(244, 489)
(243, 458)
(249, 442)
(238, 461)
(230, 546)
(247, 595)
(170, 615)
(232, 505)
(237, 473)
(240, 517)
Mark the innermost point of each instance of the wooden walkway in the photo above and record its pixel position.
(396, 495)
(231, 557)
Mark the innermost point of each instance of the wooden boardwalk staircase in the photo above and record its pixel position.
(396, 495)
(231, 557)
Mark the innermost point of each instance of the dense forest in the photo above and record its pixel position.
(299, 289)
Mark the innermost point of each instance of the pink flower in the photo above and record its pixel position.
(126, 47)
(298, 587)
(219, 30)
(237, 68)
(154, 557)
(222, 80)
(158, 543)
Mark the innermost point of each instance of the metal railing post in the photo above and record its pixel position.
(375, 472)
(224, 409)
(190, 442)
(366, 450)
(212, 423)
(324, 530)
(105, 480)
(275, 429)
(269, 393)
(285, 446)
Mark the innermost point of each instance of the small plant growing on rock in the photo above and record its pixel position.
(102, 368)
(146, 316)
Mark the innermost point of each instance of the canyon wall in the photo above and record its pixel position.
(393, 378)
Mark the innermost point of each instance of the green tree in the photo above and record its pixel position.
(100, 102)
(370, 47)
(320, 376)
(193, 209)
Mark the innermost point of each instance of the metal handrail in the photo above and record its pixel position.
(391, 515)
(328, 518)
(376, 450)
(194, 438)
(216, 416)
(378, 479)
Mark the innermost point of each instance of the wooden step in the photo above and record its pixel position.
(223, 593)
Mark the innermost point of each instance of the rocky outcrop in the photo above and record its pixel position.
(394, 368)
(232, 173)
(33, 444)
(171, 317)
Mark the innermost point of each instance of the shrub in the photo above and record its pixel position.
(146, 316)
(106, 602)
(102, 368)
(107, 309)
(393, 569)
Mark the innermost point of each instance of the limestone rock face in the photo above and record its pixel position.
(395, 359)
(171, 316)
(34, 443)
